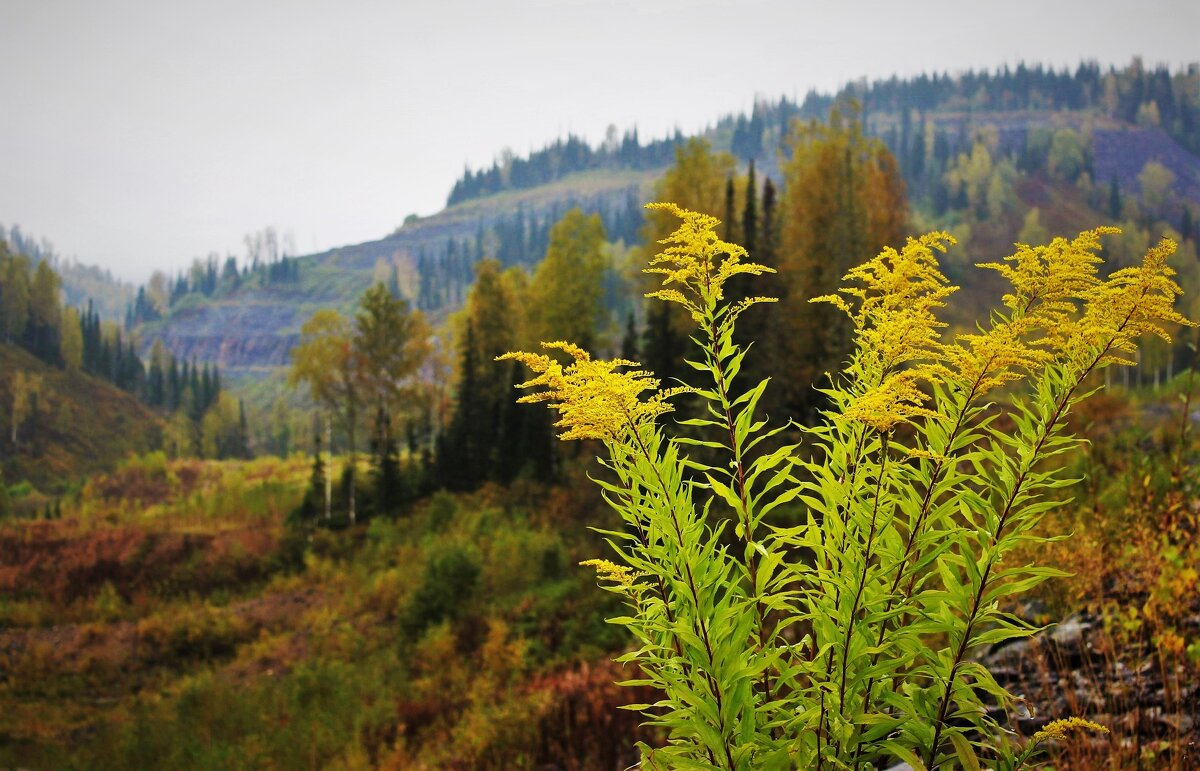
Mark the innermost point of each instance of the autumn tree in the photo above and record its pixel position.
(323, 361)
(70, 342)
(389, 347)
(223, 430)
(1155, 181)
(844, 201)
(566, 294)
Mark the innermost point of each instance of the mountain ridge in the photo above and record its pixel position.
(1124, 119)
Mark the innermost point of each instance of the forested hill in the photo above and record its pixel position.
(81, 284)
(59, 424)
(982, 153)
(1015, 99)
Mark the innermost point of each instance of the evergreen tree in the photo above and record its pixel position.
(5, 500)
(45, 313)
(630, 348)
(750, 215)
(460, 460)
(730, 217)
(389, 492)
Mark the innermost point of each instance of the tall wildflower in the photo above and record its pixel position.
(695, 264)
(843, 635)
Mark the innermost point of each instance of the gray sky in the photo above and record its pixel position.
(138, 134)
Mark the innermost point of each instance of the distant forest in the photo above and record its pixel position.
(1134, 94)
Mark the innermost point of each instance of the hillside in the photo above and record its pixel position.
(175, 616)
(81, 425)
(1107, 125)
(253, 327)
(81, 284)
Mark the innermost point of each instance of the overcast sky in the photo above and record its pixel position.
(138, 134)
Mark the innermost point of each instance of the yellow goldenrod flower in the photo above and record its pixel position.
(1058, 729)
(893, 401)
(699, 263)
(1132, 302)
(611, 571)
(898, 294)
(594, 400)
(986, 361)
(1049, 279)
(1048, 284)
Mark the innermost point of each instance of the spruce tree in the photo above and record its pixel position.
(389, 479)
(630, 349)
(730, 218)
(1114, 198)
(750, 214)
(5, 501)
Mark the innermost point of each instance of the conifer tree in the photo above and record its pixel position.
(5, 500)
(630, 347)
(45, 313)
(388, 485)
(750, 214)
(730, 218)
(459, 460)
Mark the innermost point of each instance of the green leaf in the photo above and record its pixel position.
(964, 750)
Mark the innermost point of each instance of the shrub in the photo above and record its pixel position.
(846, 640)
(447, 586)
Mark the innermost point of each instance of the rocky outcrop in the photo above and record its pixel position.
(1077, 668)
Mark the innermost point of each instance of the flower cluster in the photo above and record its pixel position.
(699, 263)
(1052, 277)
(1132, 302)
(897, 399)
(610, 571)
(1049, 283)
(985, 361)
(594, 398)
(1058, 729)
(897, 297)
(893, 306)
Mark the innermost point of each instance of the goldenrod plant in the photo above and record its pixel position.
(838, 624)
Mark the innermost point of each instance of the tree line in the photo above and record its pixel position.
(445, 274)
(840, 199)
(563, 157)
(269, 261)
(34, 317)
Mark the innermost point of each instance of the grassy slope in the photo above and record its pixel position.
(86, 425)
(168, 620)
